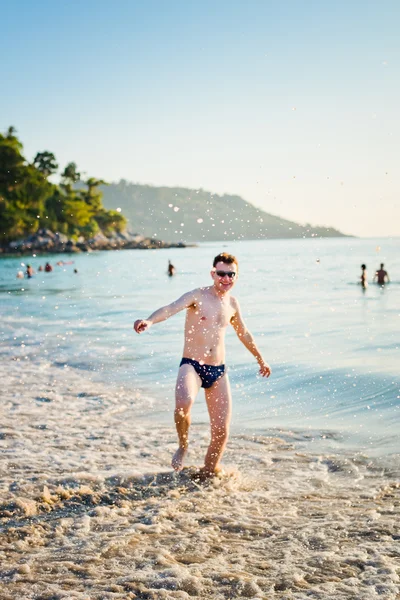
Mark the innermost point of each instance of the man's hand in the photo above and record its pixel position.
(141, 325)
(265, 369)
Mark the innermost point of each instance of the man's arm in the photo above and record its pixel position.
(163, 313)
(247, 340)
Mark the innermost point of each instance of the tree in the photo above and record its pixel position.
(28, 201)
(45, 162)
(77, 213)
(11, 131)
(110, 220)
(94, 183)
(11, 162)
(93, 196)
(70, 176)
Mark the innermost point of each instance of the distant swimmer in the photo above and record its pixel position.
(40, 268)
(62, 263)
(29, 271)
(20, 275)
(171, 269)
(364, 277)
(382, 276)
(48, 268)
(209, 311)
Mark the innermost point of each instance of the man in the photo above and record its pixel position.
(29, 271)
(364, 277)
(209, 311)
(171, 269)
(381, 276)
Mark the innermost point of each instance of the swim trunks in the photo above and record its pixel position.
(208, 374)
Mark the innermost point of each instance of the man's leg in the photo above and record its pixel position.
(187, 388)
(219, 403)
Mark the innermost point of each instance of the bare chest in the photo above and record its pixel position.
(211, 315)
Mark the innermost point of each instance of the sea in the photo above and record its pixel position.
(308, 503)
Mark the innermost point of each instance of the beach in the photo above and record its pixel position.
(95, 511)
(308, 503)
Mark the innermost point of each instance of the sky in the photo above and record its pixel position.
(292, 104)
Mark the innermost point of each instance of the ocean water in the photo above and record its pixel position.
(309, 503)
(334, 349)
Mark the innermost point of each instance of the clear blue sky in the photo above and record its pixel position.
(293, 105)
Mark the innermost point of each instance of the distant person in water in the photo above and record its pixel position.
(20, 275)
(209, 311)
(40, 268)
(29, 271)
(48, 268)
(171, 269)
(382, 276)
(364, 277)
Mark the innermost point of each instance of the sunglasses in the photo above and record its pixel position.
(231, 274)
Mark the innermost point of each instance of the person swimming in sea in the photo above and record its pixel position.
(209, 311)
(381, 276)
(364, 277)
(171, 269)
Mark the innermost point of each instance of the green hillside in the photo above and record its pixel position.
(179, 214)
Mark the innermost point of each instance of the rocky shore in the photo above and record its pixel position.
(45, 241)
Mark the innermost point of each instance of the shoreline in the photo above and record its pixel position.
(86, 248)
(44, 241)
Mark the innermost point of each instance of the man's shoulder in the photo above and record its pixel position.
(200, 291)
(234, 302)
(196, 293)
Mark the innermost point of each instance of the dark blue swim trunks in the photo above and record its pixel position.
(208, 374)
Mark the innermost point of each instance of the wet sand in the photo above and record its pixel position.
(90, 508)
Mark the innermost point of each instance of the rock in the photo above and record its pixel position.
(46, 233)
(61, 238)
(99, 238)
(45, 241)
(14, 245)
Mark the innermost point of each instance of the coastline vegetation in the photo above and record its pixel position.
(30, 202)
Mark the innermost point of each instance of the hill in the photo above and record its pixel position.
(180, 214)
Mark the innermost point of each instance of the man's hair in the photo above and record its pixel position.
(382, 265)
(224, 257)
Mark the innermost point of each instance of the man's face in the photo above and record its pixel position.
(224, 276)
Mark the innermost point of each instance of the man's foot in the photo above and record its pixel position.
(205, 474)
(177, 459)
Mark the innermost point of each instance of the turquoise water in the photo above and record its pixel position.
(333, 348)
